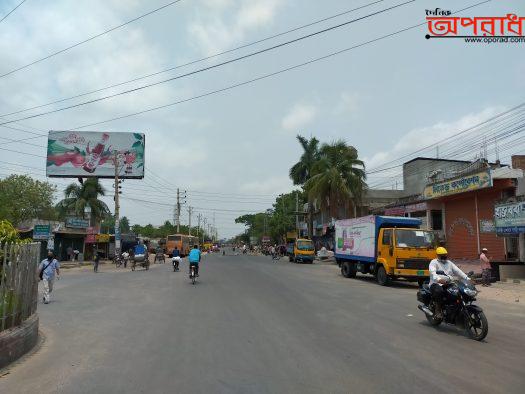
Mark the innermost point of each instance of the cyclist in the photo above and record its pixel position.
(194, 259)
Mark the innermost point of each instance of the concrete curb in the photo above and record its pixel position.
(16, 342)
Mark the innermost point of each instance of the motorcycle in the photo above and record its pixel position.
(175, 261)
(458, 307)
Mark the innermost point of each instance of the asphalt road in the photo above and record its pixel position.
(254, 326)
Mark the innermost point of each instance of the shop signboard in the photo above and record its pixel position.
(487, 226)
(402, 210)
(77, 223)
(266, 238)
(102, 238)
(509, 218)
(73, 154)
(41, 231)
(479, 180)
(90, 235)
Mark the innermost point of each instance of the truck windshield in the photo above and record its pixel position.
(305, 245)
(415, 239)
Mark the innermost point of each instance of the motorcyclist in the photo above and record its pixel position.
(194, 259)
(442, 263)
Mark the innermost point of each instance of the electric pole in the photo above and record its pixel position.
(297, 214)
(190, 209)
(178, 211)
(203, 230)
(199, 216)
(117, 207)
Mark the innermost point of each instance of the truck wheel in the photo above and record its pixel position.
(382, 277)
(348, 270)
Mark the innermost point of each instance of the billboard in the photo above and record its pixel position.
(73, 154)
(356, 237)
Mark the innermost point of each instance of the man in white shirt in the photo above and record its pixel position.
(442, 263)
(47, 269)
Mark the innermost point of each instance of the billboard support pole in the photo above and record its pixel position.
(117, 208)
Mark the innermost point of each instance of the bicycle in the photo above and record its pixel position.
(192, 274)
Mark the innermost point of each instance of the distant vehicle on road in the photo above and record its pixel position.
(140, 257)
(182, 242)
(387, 247)
(303, 251)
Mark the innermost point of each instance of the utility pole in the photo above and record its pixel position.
(178, 211)
(199, 216)
(203, 229)
(213, 235)
(297, 214)
(117, 206)
(190, 209)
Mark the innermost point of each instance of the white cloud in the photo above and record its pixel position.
(424, 136)
(226, 22)
(271, 185)
(348, 103)
(299, 116)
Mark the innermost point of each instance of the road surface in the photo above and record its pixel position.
(254, 326)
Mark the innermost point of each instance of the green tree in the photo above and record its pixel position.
(23, 198)
(337, 176)
(78, 197)
(124, 225)
(301, 171)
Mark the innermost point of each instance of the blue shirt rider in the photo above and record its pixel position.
(175, 252)
(194, 258)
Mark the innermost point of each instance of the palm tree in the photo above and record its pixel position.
(337, 176)
(301, 171)
(78, 197)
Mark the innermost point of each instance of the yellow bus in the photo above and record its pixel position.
(182, 242)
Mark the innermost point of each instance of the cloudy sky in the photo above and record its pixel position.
(231, 151)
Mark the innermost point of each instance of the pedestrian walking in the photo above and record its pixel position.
(47, 269)
(486, 269)
(96, 260)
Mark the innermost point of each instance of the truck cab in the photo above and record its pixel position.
(303, 251)
(405, 253)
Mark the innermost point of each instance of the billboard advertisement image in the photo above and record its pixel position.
(355, 237)
(92, 154)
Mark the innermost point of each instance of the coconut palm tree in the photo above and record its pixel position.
(337, 176)
(302, 170)
(78, 197)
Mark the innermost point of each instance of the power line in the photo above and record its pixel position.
(269, 75)
(13, 10)
(203, 69)
(197, 60)
(88, 39)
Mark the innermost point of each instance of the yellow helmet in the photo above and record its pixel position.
(441, 251)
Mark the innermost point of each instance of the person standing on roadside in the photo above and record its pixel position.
(96, 260)
(486, 269)
(46, 271)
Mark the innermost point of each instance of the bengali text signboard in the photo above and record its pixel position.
(509, 218)
(479, 180)
(41, 231)
(92, 154)
(77, 223)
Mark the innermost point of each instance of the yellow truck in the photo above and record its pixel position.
(387, 247)
(301, 250)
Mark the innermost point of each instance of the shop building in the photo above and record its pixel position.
(457, 200)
